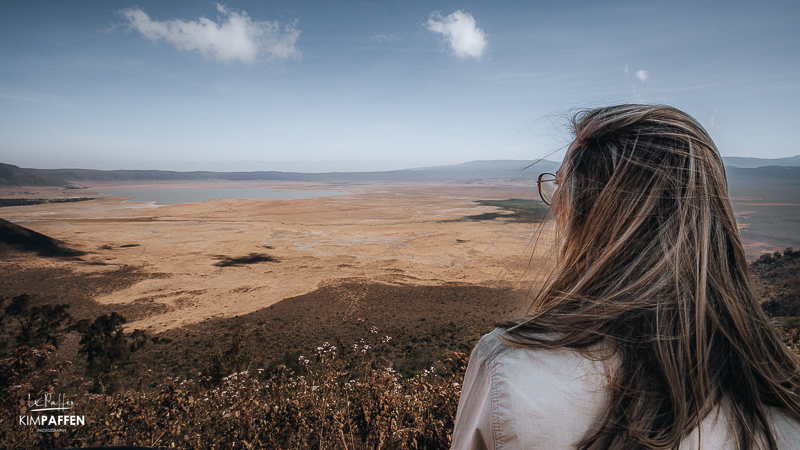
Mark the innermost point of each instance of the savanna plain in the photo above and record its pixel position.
(398, 279)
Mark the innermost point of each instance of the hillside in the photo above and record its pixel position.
(495, 169)
(751, 163)
(773, 184)
(11, 175)
(777, 278)
(501, 169)
(742, 172)
(15, 237)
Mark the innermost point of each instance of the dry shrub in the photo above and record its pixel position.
(338, 399)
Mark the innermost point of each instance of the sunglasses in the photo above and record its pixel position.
(547, 187)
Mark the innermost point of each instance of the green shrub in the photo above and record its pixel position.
(108, 349)
(37, 325)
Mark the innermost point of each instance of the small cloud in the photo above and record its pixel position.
(642, 75)
(385, 38)
(712, 123)
(460, 28)
(235, 37)
(625, 70)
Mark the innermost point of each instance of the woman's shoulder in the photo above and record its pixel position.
(544, 372)
(491, 346)
(719, 430)
(560, 391)
(785, 428)
(498, 348)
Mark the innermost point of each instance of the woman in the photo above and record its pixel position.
(646, 334)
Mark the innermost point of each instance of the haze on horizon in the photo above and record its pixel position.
(345, 86)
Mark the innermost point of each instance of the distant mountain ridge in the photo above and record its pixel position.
(11, 175)
(494, 169)
(752, 163)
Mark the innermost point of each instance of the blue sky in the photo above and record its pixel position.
(324, 86)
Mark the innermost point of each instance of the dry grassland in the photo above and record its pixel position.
(192, 269)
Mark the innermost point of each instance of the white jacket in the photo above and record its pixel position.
(520, 398)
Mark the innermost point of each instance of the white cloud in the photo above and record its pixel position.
(235, 37)
(466, 39)
(642, 75)
(712, 124)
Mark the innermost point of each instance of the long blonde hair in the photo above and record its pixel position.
(650, 262)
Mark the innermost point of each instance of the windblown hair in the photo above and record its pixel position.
(650, 263)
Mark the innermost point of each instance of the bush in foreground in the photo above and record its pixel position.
(337, 400)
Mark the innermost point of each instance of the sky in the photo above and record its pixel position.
(378, 85)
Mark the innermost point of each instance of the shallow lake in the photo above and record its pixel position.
(176, 196)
